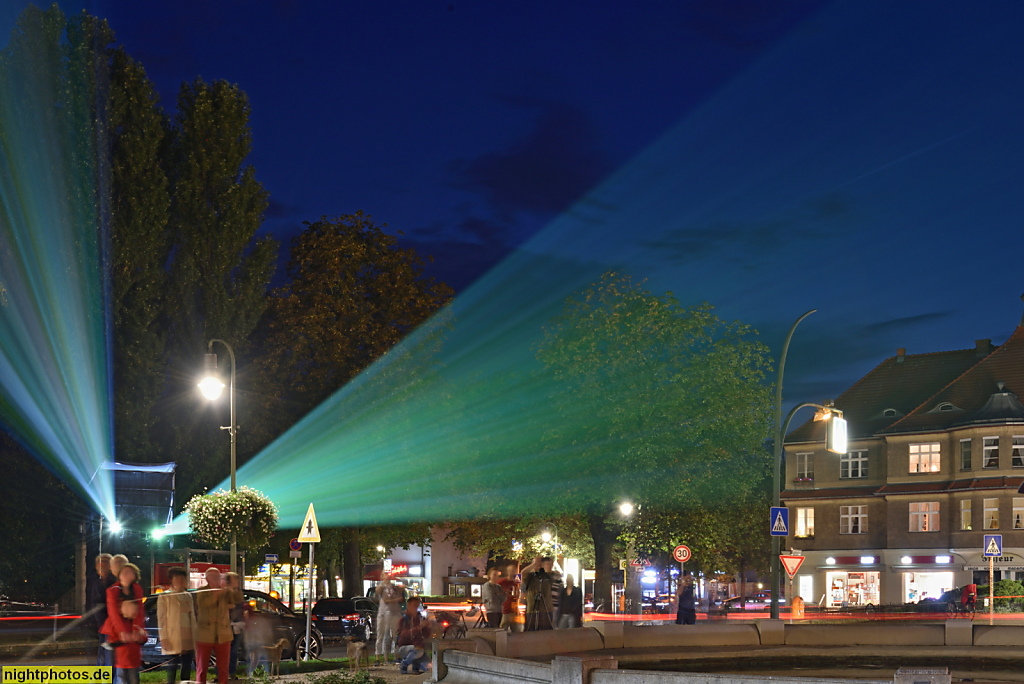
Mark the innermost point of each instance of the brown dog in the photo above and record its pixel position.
(356, 651)
(273, 655)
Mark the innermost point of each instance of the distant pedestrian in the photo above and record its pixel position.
(537, 590)
(389, 612)
(97, 606)
(213, 625)
(510, 606)
(686, 613)
(556, 590)
(493, 596)
(570, 605)
(176, 617)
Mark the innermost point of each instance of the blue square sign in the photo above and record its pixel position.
(993, 547)
(778, 521)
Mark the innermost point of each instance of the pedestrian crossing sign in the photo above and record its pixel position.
(993, 547)
(310, 532)
(778, 521)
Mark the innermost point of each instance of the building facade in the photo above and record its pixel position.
(935, 461)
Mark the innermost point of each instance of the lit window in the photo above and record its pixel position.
(853, 464)
(990, 452)
(853, 519)
(925, 458)
(965, 514)
(805, 467)
(805, 522)
(924, 516)
(1018, 513)
(1017, 452)
(965, 454)
(991, 512)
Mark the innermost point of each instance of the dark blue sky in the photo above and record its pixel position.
(859, 157)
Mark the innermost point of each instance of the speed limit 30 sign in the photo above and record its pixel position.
(681, 553)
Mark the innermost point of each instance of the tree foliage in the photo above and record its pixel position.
(671, 396)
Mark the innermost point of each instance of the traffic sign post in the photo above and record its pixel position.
(992, 548)
(681, 553)
(309, 533)
(271, 558)
(791, 564)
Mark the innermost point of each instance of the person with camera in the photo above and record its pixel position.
(537, 586)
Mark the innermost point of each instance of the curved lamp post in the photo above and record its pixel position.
(212, 386)
(835, 441)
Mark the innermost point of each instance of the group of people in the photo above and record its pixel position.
(193, 624)
(550, 602)
(401, 633)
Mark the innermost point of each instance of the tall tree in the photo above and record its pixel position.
(671, 395)
(217, 276)
(352, 294)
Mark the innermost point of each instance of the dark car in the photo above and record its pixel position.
(284, 623)
(340, 617)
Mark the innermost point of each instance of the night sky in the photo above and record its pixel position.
(863, 158)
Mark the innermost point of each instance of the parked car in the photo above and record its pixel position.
(339, 617)
(284, 623)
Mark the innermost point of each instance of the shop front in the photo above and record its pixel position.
(924, 577)
(852, 581)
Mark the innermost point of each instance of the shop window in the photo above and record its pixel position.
(991, 513)
(990, 452)
(853, 519)
(925, 458)
(1017, 451)
(1018, 513)
(853, 464)
(965, 454)
(805, 523)
(924, 516)
(805, 467)
(965, 514)
(852, 588)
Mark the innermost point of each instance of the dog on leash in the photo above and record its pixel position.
(272, 654)
(356, 651)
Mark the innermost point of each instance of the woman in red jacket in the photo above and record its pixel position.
(125, 625)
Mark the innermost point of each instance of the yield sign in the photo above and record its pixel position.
(309, 533)
(791, 564)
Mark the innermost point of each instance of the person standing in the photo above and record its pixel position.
(125, 623)
(493, 597)
(686, 614)
(537, 590)
(510, 606)
(389, 612)
(97, 607)
(570, 605)
(176, 617)
(413, 631)
(213, 625)
(237, 621)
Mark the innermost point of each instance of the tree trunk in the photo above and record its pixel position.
(352, 579)
(332, 572)
(604, 543)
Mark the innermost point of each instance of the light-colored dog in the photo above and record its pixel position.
(272, 654)
(356, 651)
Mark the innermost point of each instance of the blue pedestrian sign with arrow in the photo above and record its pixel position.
(778, 521)
(993, 547)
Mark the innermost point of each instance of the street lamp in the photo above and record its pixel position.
(546, 536)
(835, 440)
(211, 386)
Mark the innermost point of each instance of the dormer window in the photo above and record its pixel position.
(945, 407)
(890, 413)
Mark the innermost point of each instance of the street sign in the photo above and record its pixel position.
(778, 521)
(295, 545)
(271, 557)
(294, 554)
(993, 547)
(309, 533)
(791, 564)
(681, 553)
(640, 563)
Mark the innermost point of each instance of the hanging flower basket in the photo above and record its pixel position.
(246, 512)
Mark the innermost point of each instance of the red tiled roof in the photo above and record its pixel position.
(913, 488)
(843, 493)
(893, 384)
(969, 392)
